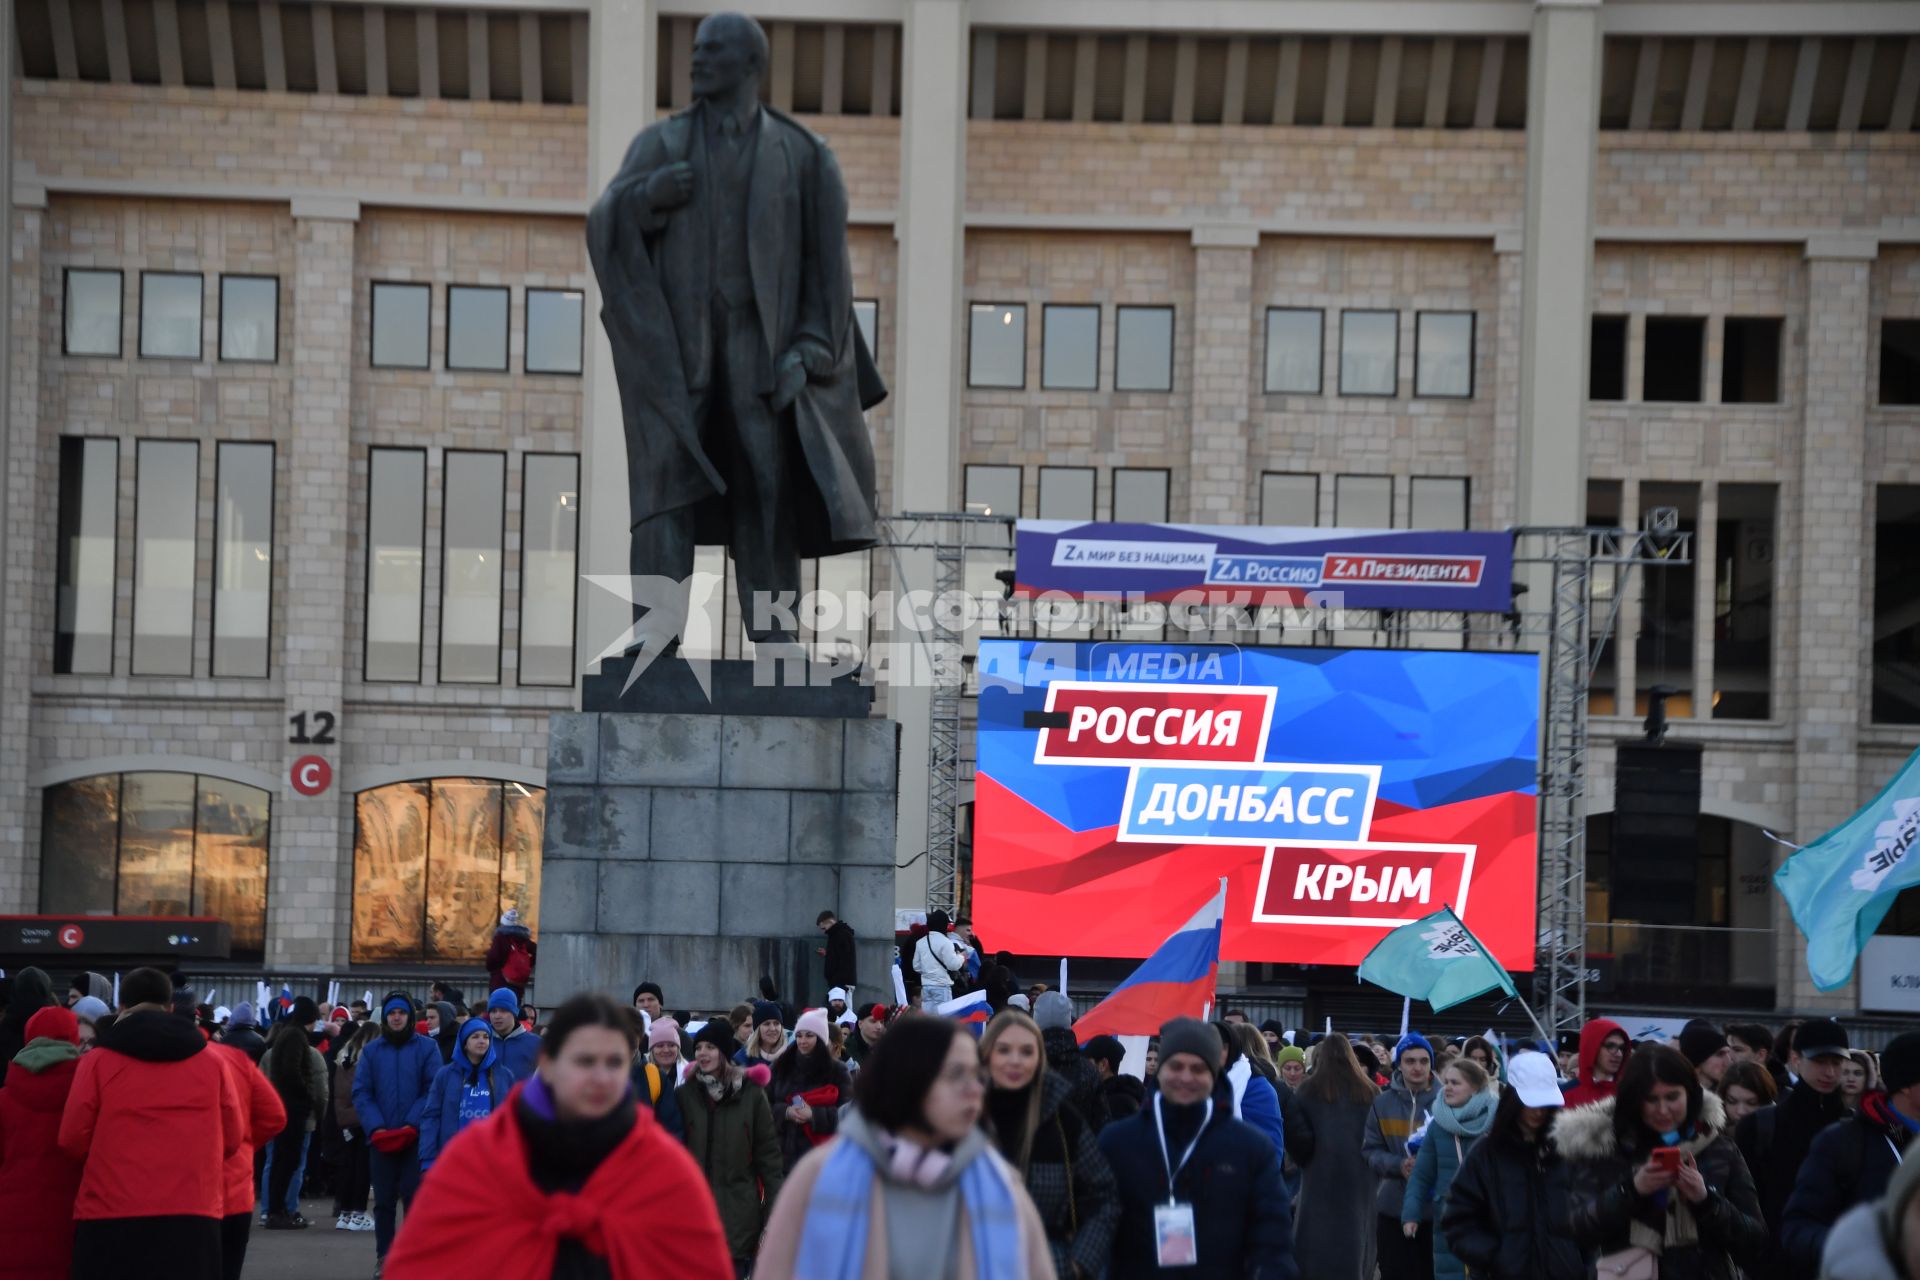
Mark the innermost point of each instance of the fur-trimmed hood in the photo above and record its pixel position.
(1586, 1133)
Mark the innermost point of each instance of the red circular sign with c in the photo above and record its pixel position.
(311, 775)
(71, 936)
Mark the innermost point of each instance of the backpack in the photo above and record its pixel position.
(519, 966)
(653, 1085)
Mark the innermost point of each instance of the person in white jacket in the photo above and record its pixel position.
(937, 958)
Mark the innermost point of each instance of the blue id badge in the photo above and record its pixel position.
(1173, 1239)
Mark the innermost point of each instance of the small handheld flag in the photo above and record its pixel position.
(972, 1009)
(1176, 981)
(1435, 959)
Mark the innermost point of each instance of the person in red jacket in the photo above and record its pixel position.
(38, 1180)
(155, 1116)
(266, 1117)
(1603, 1056)
(570, 1177)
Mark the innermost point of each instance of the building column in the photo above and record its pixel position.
(1219, 489)
(1563, 118)
(26, 517)
(310, 872)
(1825, 525)
(930, 229)
(1509, 263)
(620, 103)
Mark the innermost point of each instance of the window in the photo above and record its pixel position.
(1607, 359)
(839, 625)
(1896, 605)
(400, 325)
(1443, 354)
(1069, 348)
(1900, 361)
(472, 514)
(93, 313)
(1066, 493)
(1369, 353)
(165, 542)
(250, 318)
(169, 316)
(1289, 501)
(1438, 502)
(997, 345)
(243, 571)
(866, 314)
(1664, 648)
(1140, 495)
(1143, 354)
(1603, 691)
(1676, 346)
(396, 557)
(1363, 502)
(993, 491)
(1293, 351)
(158, 844)
(555, 320)
(549, 544)
(1743, 603)
(477, 327)
(84, 568)
(1750, 360)
(436, 863)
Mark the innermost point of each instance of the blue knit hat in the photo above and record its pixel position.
(504, 999)
(242, 1015)
(1411, 1040)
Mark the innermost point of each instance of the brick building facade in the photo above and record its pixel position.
(1668, 168)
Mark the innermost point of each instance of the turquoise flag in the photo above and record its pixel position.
(1840, 886)
(1437, 960)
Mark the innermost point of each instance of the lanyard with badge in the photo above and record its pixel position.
(1174, 1241)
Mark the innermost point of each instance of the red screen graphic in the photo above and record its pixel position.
(1121, 722)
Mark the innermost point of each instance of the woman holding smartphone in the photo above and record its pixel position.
(1659, 1187)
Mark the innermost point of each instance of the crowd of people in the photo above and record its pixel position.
(621, 1139)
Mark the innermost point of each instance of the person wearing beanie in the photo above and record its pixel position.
(511, 957)
(1275, 1034)
(1775, 1140)
(1291, 1063)
(1226, 1210)
(658, 1072)
(390, 1088)
(769, 1035)
(519, 1047)
(38, 1181)
(88, 1010)
(1853, 1161)
(649, 999)
(808, 1089)
(1053, 1014)
(866, 1033)
(731, 1134)
(1399, 1111)
(243, 1032)
(465, 1091)
(837, 1010)
(1706, 1047)
(1602, 1057)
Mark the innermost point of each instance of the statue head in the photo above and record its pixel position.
(729, 51)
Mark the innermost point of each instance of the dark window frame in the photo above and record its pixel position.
(1113, 491)
(373, 323)
(1099, 335)
(200, 329)
(1646, 346)
(1307, 475)
(1473, 356)
(366, 593)
(506, 331)
(133, 597)
(60, 555)
(971, 385)
(873, 350)
(273, 543)
(500, 616)
(1039, 492)
(1369, 395)
(1319, 364)
(1173, 345)
(1880, 400)
(1019, 489)
(526, 333)
(520, 591)
(222, 355)
(66, 306)
(1466, 497)
(1625, 322)
(1338, 476)
(1779, 323)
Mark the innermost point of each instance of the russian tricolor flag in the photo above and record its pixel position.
(1176, 981)
(971, 1009)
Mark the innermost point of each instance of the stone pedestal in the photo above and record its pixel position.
(696, 851)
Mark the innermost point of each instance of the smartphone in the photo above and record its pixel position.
(1665, 1159)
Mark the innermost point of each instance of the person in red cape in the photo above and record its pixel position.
(38, 1181)
(570, 1178)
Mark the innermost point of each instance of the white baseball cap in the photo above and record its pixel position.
(1534, 1078)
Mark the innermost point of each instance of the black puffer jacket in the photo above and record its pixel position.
(1508, 1211)
(1775, 1141)
(1732, 1234)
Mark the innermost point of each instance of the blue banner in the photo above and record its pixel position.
(1366, 568)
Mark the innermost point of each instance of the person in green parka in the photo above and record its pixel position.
(1460, 1117)
(731, 1133)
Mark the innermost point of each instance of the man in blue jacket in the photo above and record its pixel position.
(1200, 1194)
(1852, 1162)
(1401, 1110)
(390, 1093)
(519, 1047)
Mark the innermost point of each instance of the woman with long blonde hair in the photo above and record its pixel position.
(1050, 1145)
(1334, 1224)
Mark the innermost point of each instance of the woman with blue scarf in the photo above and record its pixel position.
(1459, 1118)
(911, 1186)
(1689, 1214)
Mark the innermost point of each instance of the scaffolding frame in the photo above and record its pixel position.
(1557, 562)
